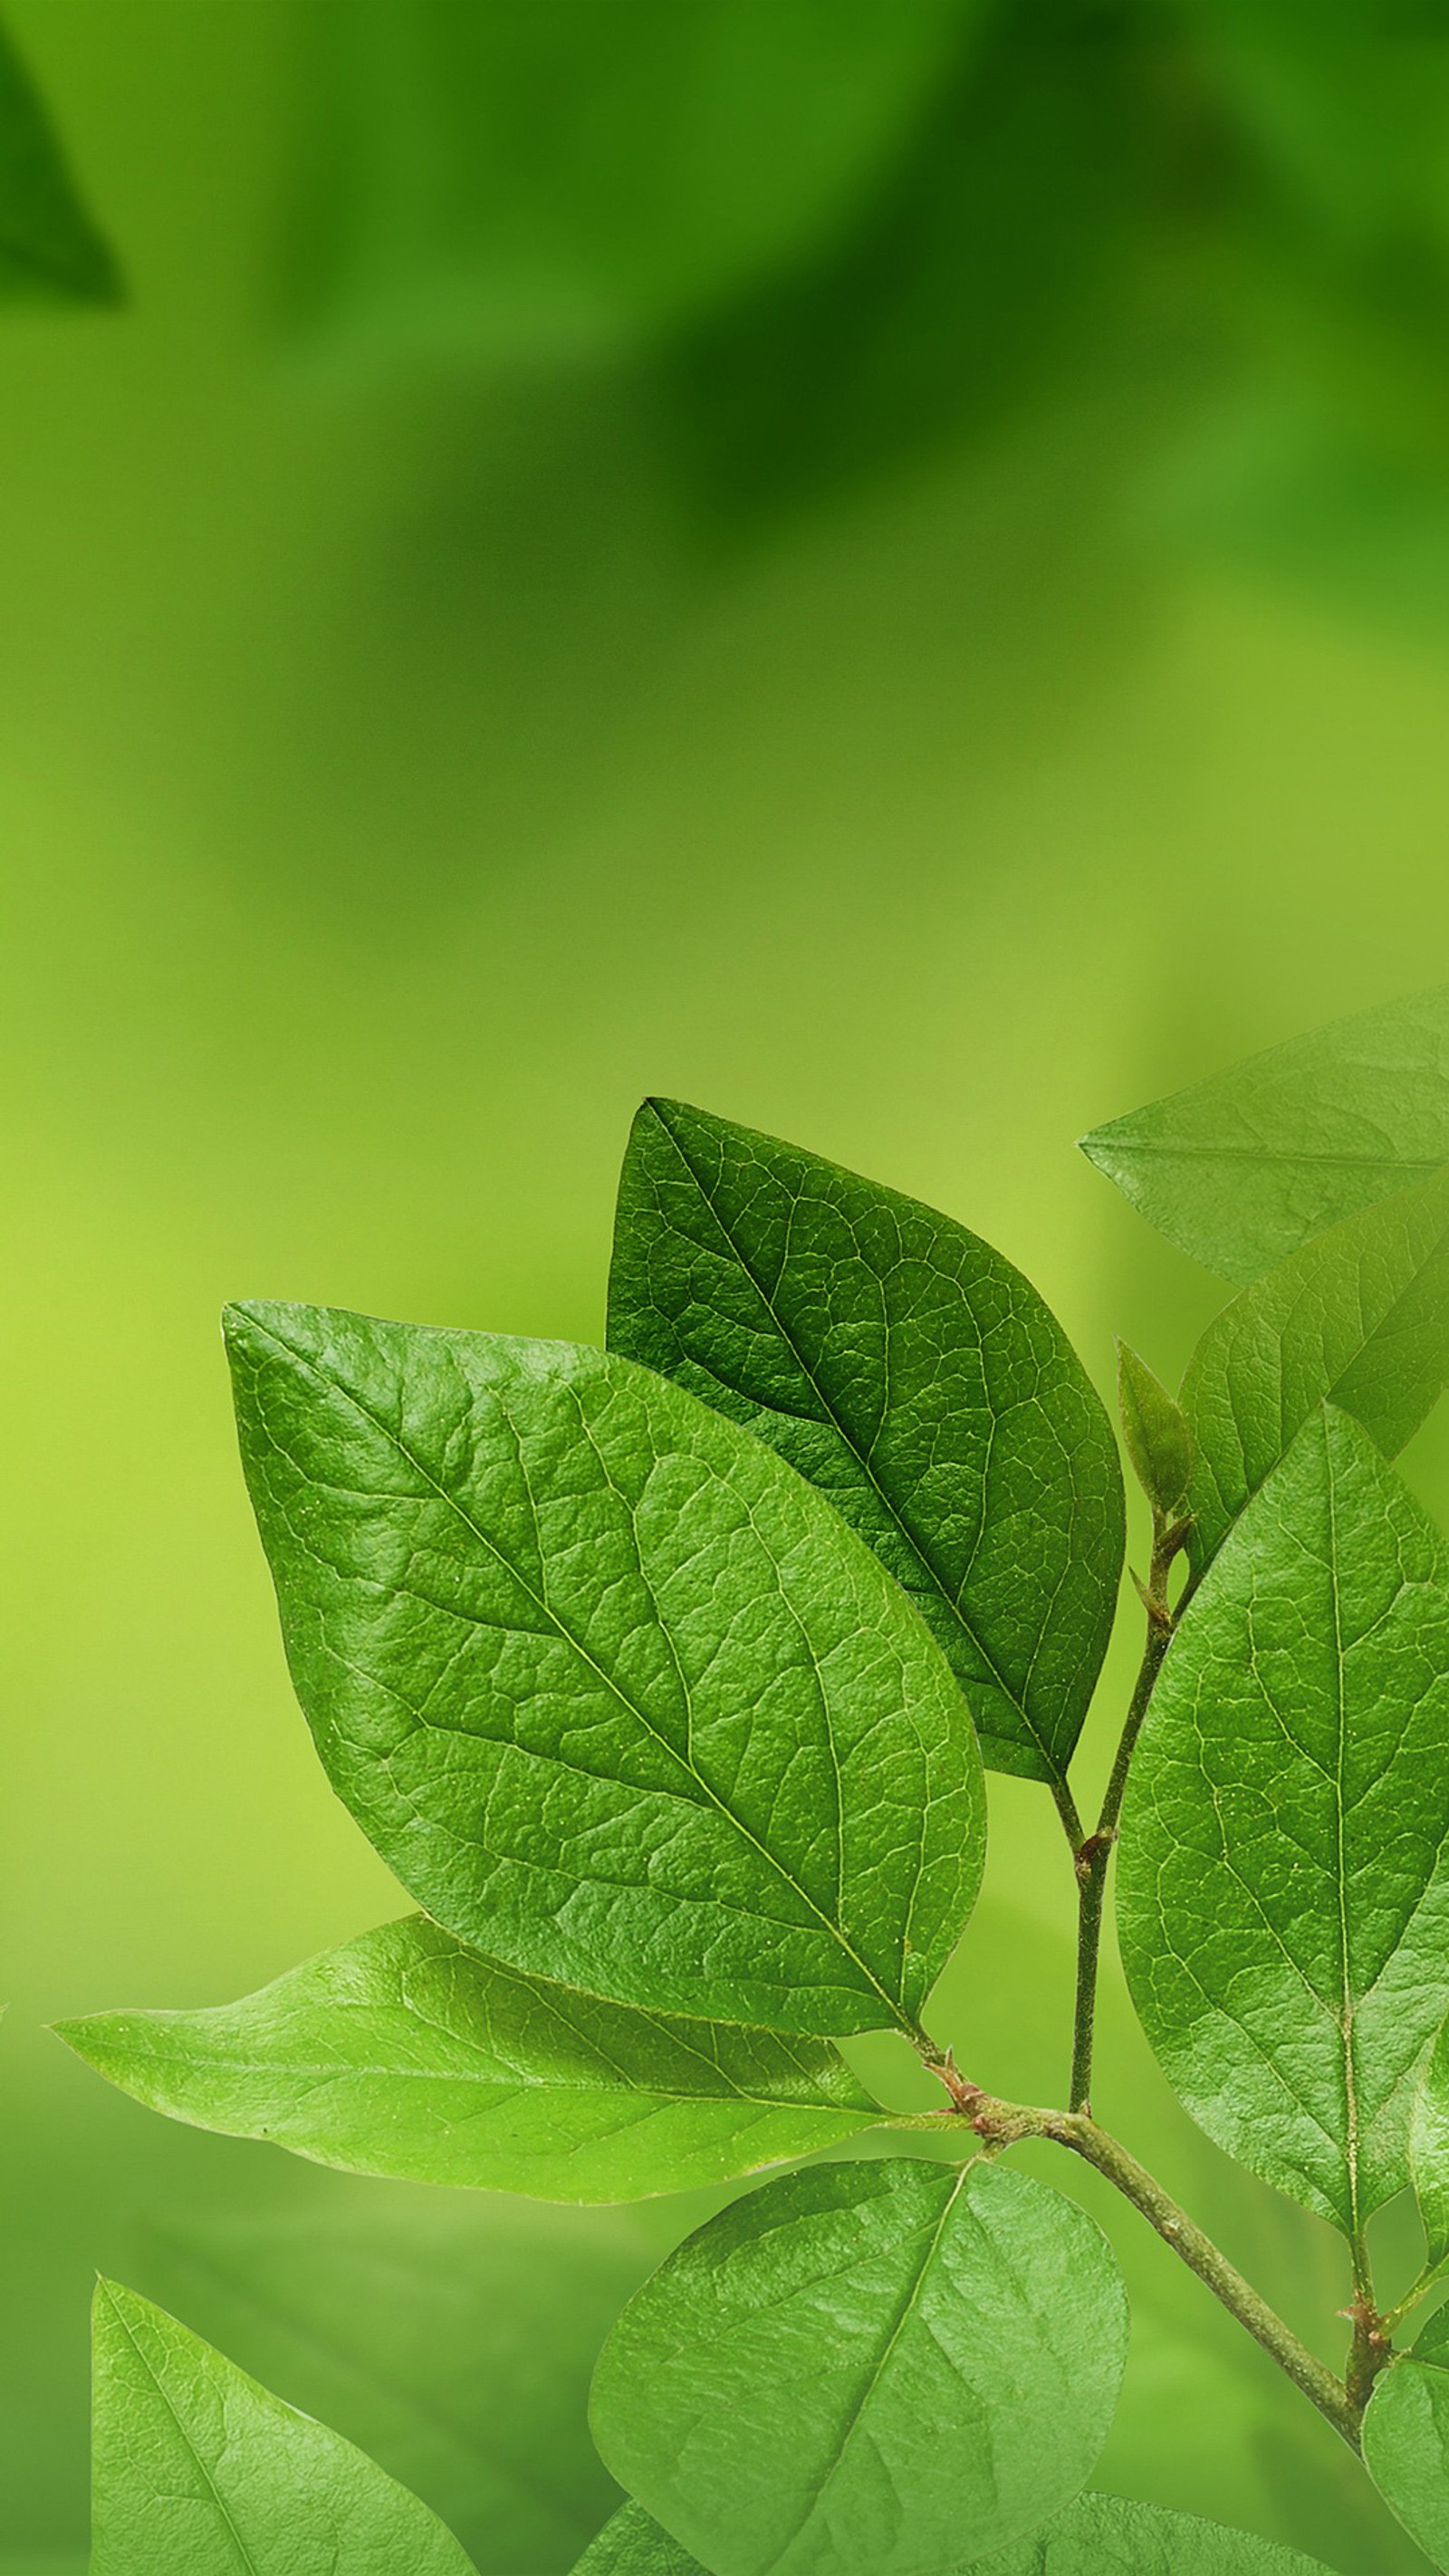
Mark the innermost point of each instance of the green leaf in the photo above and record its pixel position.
(1359, 1318)
(1156, 1430)
(906, 1369)
(1106, 2536)
(867, 2370)
(50, 251)
(200, 2472)
(1429, 2149)
(634, 2545)
(1096, 2536)
(1406, 2439)
(559, 180)
(406, 2054)
(620, 1700)
(452, 2337)
(1241, 1169)
(1283, 1904)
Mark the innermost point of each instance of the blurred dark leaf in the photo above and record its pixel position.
(450, 2337)
(993, 266)
(545, 176)
(50, 251)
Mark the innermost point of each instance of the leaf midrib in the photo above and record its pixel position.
(850, 2426)
(1056, 1772)
(248, 2563)
(519, 2082)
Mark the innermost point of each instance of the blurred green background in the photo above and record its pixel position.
(881, 569)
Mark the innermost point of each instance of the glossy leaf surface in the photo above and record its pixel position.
(450, 2335)
(620, 1700)
(558, 180)
(50, 250)
(867, 2369)
(1406, 2439)
(201, 2472)
(1242, 1168)
(407, 2054)
(1283, 1902)
(913, 1375)
(1359, 1318)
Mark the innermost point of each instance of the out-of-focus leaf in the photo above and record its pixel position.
(867, 2370)
(1283, 1905)
(1406, 2439)
(1345, 106)
(50, 251)
(558, 178)
(1241, 1169)
(986, 273)
(198, 2471)
(634, 2545)
(911, 1373)
(1358, 1317)
(1096, 2536)
(406, 2054)
(620, 1698)
(451, 2338)
(1108, 2536)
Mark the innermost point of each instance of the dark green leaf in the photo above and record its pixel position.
(50, 252)
(1106, 2536)
(1406, 2439)
(1284, 1896)
(449, 2336)
(867, 2369)
(1155, 1428)
(405, 2053)
(559, 179)
(617, 1696)
(200, 2472)
(911, 1373)
(1359, 1317)
(1242, 1168)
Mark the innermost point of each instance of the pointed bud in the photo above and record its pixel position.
(1159, 1442)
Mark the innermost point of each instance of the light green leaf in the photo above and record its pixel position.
(50, 252)
(1406, 2439)
(617, 1696)
(1107, 2536)
(1429, 2148)
(450, 2336)
(1241, 1169)
(867, 2369)
(1359, 1318)
(912, 1374)
(406, 2054)
(634, 2545)
(200, 2472)
(1283, 1904)
(1156, 1430)
(559, 179)
(1096, 2536)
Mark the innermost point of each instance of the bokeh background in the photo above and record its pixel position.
(881, 568)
